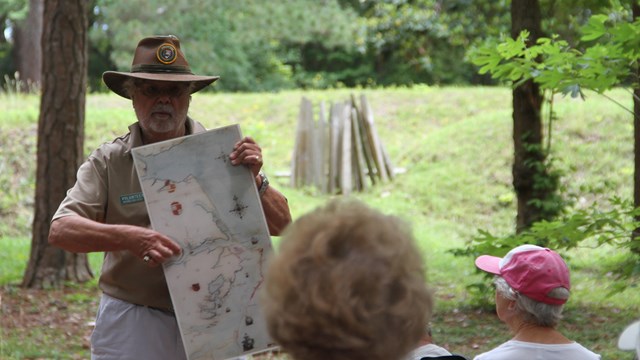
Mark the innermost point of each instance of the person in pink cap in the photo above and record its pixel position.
(532, 286)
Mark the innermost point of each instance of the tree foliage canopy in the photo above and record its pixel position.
(269, 45)
(249, 43)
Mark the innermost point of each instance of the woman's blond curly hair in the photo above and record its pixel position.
(348, 282)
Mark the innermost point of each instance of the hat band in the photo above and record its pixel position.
(153, 68)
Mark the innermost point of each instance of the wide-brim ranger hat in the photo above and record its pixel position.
(530, 270)
(157, 58)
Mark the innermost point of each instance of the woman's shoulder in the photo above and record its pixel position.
(513, 348)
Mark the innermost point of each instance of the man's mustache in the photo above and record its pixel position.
(163, 108)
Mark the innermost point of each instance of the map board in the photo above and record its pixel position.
(212, 210)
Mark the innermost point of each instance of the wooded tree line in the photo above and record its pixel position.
(260, 46)
(269, 45)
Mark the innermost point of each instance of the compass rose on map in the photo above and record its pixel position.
(223, 156)
(239, 208)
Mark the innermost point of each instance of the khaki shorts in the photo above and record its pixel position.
(127, 331)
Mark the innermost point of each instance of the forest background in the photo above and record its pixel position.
(274, 47)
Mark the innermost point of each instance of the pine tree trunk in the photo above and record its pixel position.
(60, 138)
(27, 51)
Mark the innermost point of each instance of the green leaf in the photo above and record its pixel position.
(595, 28)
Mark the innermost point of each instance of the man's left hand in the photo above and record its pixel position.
(248, 153)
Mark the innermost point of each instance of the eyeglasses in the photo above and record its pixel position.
(152, 91)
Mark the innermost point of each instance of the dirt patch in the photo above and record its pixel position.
(46, 324)
(57, 324)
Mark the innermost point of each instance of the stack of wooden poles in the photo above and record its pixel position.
(339, 153)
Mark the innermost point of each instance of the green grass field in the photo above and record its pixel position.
(455, 146)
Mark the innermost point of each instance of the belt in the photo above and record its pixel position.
(164, 310)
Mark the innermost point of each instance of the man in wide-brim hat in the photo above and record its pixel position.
(105, 210)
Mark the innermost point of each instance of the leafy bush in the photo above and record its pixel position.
(591, 226)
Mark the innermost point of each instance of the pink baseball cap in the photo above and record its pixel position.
(530, 270)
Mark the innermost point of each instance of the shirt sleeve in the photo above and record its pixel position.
(88, 196)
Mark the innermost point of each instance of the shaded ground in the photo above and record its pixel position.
(56, 324)
(46, 324)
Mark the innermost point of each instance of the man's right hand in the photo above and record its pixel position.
(152, 247)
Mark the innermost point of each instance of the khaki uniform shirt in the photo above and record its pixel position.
(107, 190)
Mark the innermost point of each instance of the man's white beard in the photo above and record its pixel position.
(166, 124)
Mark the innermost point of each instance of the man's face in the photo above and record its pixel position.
(161, 108)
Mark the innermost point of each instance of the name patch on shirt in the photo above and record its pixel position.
(131, 198)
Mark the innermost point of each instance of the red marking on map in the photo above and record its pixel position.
(172, 186)
(176, 208)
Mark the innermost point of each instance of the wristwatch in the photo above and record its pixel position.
(264, 184)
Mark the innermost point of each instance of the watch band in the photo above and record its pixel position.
(264, 184)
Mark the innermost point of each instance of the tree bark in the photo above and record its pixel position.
(27, 51)
(60, 138)
(527, 120)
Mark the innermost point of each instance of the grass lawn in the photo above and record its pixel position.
(455, 145)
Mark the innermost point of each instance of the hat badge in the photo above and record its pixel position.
(167, 54)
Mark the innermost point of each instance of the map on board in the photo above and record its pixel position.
(212, 209)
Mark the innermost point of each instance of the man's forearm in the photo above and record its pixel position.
(81, 235)
(276, 210)
(77, 234)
